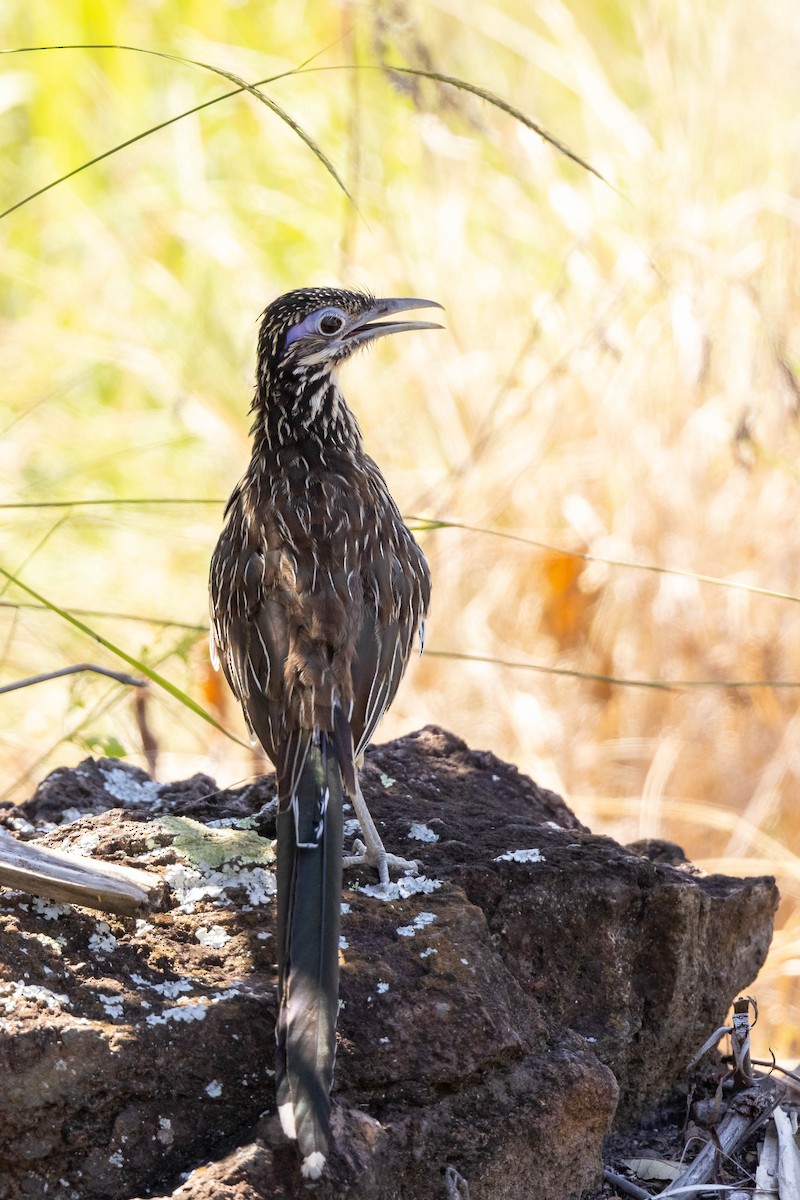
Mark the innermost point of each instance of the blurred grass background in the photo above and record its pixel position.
(618, 379)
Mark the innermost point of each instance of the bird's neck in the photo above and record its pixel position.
(314, 415)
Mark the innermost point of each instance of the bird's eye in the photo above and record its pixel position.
(330, 321)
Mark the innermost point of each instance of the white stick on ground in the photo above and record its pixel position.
(74, 879)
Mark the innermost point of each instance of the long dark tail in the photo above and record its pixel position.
(309, 869)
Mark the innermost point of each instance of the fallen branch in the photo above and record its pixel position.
(767, 1172)
(746, 1112)
(74, 879)
(788, 1157)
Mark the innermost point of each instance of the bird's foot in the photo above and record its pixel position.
(372, 852)
(375, 856)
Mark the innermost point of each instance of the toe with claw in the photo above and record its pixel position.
(372, 852)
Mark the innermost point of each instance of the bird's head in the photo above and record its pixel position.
(306, 334)
(304, 337)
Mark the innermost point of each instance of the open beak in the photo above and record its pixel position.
(367, 326)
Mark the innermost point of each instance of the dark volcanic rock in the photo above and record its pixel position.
(482, 1018)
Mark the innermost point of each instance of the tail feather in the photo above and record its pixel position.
(309, 869)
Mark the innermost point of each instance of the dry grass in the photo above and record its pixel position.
(617, 379)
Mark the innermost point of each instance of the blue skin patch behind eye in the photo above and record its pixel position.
(308, 325)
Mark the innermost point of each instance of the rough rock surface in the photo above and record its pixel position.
(543, 979)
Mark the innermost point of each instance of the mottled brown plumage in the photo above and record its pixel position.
(318, 593)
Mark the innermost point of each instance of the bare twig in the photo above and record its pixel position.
(149, 740)
(746, 1112)
(792, 1078)
(128, 680)
(74, 879)
(625, 1185)
(708, 1044)
(740, 1041)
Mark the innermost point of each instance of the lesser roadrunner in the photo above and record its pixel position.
(318, 594)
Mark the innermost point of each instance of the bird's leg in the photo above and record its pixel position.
(372, 852)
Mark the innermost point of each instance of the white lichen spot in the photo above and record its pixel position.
(381, 987)
(71, 814)
(262, 936)
(384, 1041)
(192, 884)
(49, 909)
(343, 943)
(345, 908)
(183, 1012)
(409, 885)
(103, 940)
(420, 921)
(387, 780)
(112, 1005)
(495, 779)
(87, 842)
(215, 936)
(420, 832)
(11, 993)
(465, 961)
(49, 943)
(20, 825)
(351, 828)
(164, 1132)
(427, 953)
(192, 1012)
(259, 884)
(116, 1159)
(122, 786)
(170, 989)
(521, 856)
(214, 1089)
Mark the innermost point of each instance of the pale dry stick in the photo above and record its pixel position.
(740, 1042)
(74, 879)
(788, 1157)
(767, 1172)
(455, 1185)
(746, 1112)
(708, 1044)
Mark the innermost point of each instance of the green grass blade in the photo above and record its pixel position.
(661, 685)
(426, 524)
(161, 622)
(505, 107)
(113, 500)
(430, 525)
(152, 675)
(241, 86)
(43, 540)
